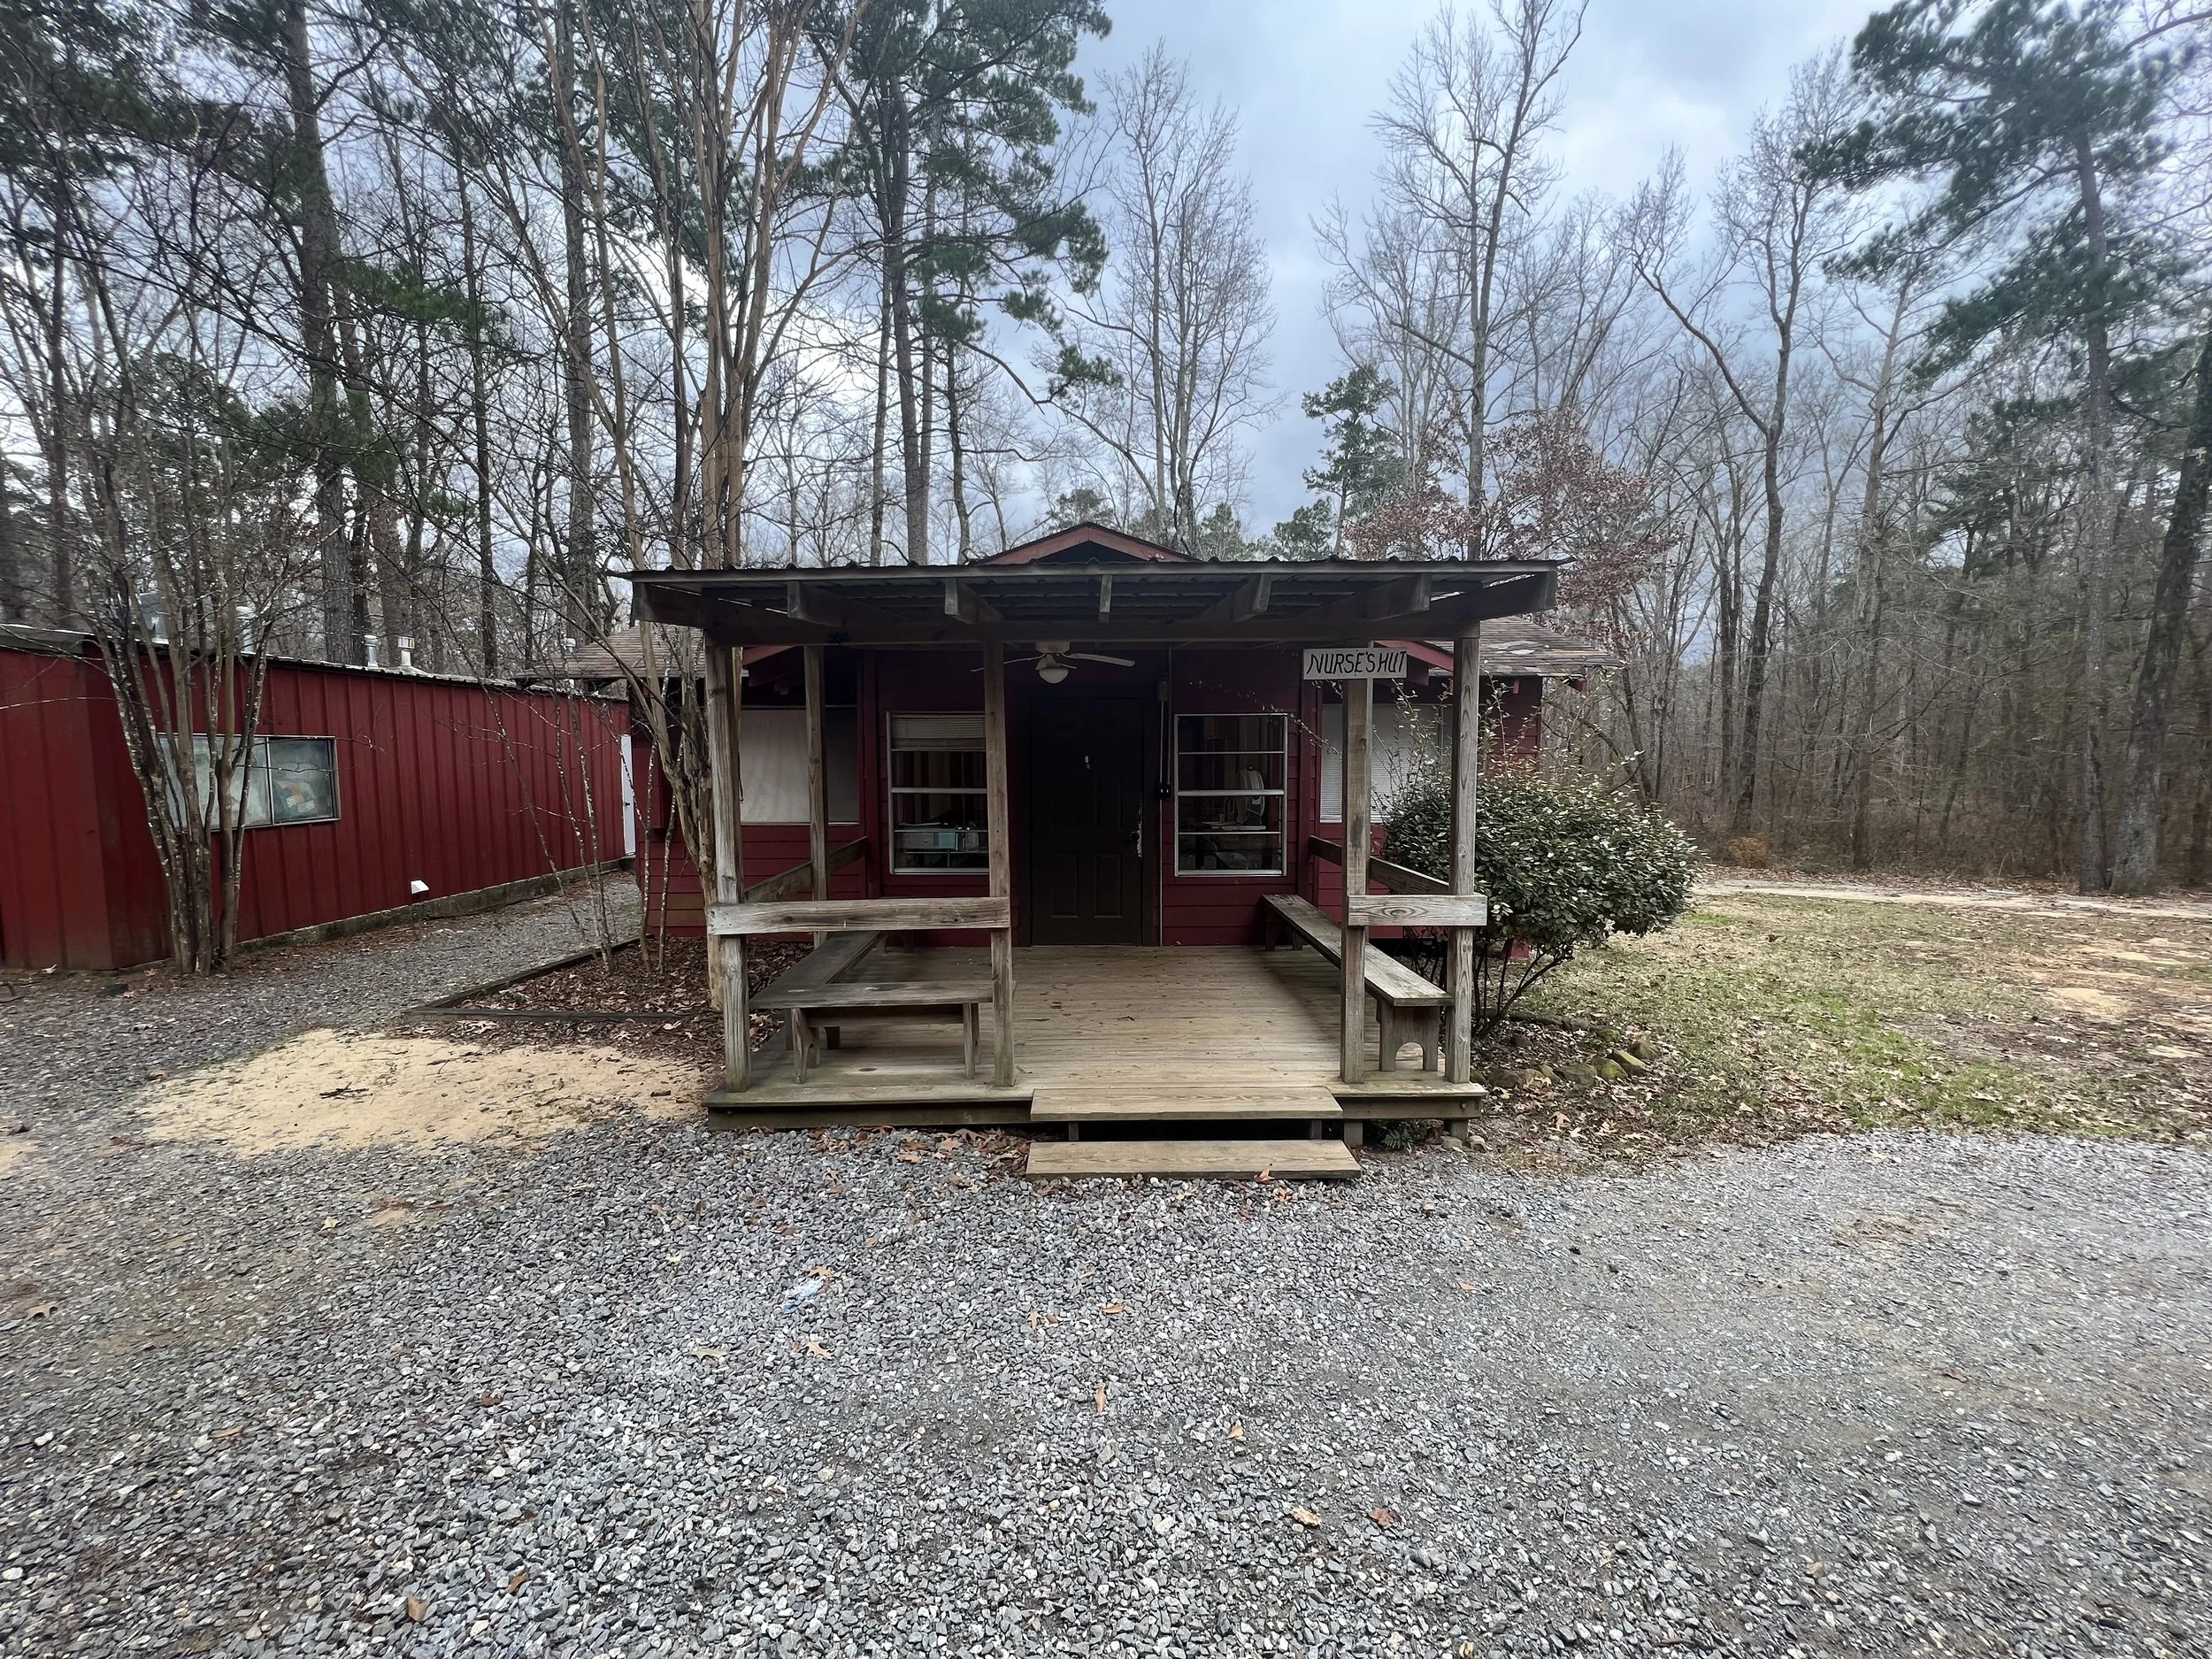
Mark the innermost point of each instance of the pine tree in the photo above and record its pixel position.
(2031, 117)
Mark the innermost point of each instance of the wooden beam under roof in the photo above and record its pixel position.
(1250, 599)
(962, 603)
(747, 612)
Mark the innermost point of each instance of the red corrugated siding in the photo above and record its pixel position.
(53, 899)
(458, 786)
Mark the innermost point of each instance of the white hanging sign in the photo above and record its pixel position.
(1355, 662)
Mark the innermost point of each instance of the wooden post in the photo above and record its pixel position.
(725, 700)
(817, 779)
(1466, 770)
(995, 816)
(1359, 718)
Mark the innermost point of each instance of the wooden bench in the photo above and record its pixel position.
(838, 955)
(814, 985)
(963, 999)
(1407, 1007)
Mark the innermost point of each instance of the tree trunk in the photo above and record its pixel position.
(12, 607)
(581, 578)
(63, 594)
(891, 104)
(962, 515)
(2096, 543)
(2197, 864)
(2135, 853)
(318, 272)
(1760, 643)
(480, 433)
(877, 492)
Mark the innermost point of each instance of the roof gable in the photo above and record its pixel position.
(1091, 543)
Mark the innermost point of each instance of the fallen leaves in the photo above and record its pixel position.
(516, 1581)
(1305, 1517)
(1236, 1431)
(1383, 1517)
(1098, 1399)
(1113, 1307)
(417, 1609)
(811, 1345)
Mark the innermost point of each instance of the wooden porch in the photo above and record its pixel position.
(1109, 1041)
(1098, 1038)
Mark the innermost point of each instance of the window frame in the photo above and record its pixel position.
(893, 789)
(1281, 793)
(257, 779)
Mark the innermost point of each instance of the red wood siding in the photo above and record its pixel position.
(458, 785)
(1195, 910)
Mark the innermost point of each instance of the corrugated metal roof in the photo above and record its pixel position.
(1121, 600)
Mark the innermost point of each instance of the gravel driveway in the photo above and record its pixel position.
(649, 1390)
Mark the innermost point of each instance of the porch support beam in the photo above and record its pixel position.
(826, 613)
(1359, 719)
(724, 680)
(964, 604)
(995, 827)
(818, 845)
(1466, 770)
(1249, 600)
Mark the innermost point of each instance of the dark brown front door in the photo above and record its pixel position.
(1089, 812)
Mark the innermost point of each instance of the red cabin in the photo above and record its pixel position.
(1083, 786)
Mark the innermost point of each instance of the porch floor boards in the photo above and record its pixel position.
(1125, 1032)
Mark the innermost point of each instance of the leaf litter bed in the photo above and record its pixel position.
(659, 995)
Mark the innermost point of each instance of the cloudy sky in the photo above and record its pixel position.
(1304, 75)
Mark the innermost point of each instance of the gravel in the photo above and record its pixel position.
(1886, 1394)
(69, 1040)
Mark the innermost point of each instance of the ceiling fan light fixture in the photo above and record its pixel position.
(1050, 669)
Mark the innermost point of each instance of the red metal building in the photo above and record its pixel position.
(385, 788)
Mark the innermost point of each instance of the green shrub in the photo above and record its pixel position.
(1566, 865)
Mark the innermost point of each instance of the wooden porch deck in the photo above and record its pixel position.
(1119, 1035)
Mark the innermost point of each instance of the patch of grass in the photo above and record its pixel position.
(1777, 1016)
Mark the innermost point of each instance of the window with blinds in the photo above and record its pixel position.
(939, 798)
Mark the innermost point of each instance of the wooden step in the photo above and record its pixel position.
(1194, 1160)
(1106, 1103)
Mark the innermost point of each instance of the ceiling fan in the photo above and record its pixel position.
(1055, 657)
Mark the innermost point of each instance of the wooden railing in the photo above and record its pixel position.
(851, 916)
(1392, 878)
(800, 878)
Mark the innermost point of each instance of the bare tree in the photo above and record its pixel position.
(1461, 133)
(1779, 224)
(1178, 332)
